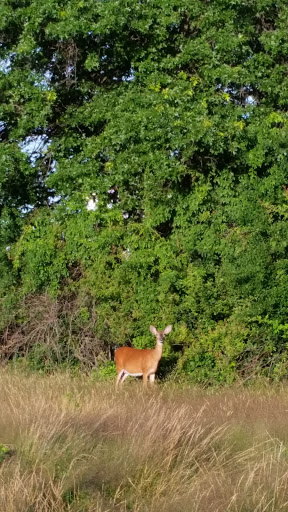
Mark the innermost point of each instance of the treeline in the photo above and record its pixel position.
(144, 179)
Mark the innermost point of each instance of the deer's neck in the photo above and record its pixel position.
(158, 350)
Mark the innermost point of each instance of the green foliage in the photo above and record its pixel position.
(106, 371)
(4, 452)
(172, 115)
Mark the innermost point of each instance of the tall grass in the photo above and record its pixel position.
(76, 445)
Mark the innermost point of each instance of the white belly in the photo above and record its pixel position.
(137, 374)
(133, 374)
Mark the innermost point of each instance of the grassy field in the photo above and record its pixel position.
(76, 445)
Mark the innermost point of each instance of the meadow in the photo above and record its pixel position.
(73, 444)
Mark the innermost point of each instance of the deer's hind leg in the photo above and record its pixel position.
(119, 377)
(122, 375)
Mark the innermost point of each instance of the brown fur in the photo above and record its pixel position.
(144, 361)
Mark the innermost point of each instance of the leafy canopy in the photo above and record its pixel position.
(171, 116)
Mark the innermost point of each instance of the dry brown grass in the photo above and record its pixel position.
(76, 445)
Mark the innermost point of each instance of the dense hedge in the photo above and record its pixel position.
(170, 117)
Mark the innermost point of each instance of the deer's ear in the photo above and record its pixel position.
(167, 329)
(153, 330)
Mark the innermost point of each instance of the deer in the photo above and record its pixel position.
(140, 362)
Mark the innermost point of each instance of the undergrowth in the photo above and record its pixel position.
(73, 444)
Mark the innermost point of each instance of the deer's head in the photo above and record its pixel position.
(160, 335)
